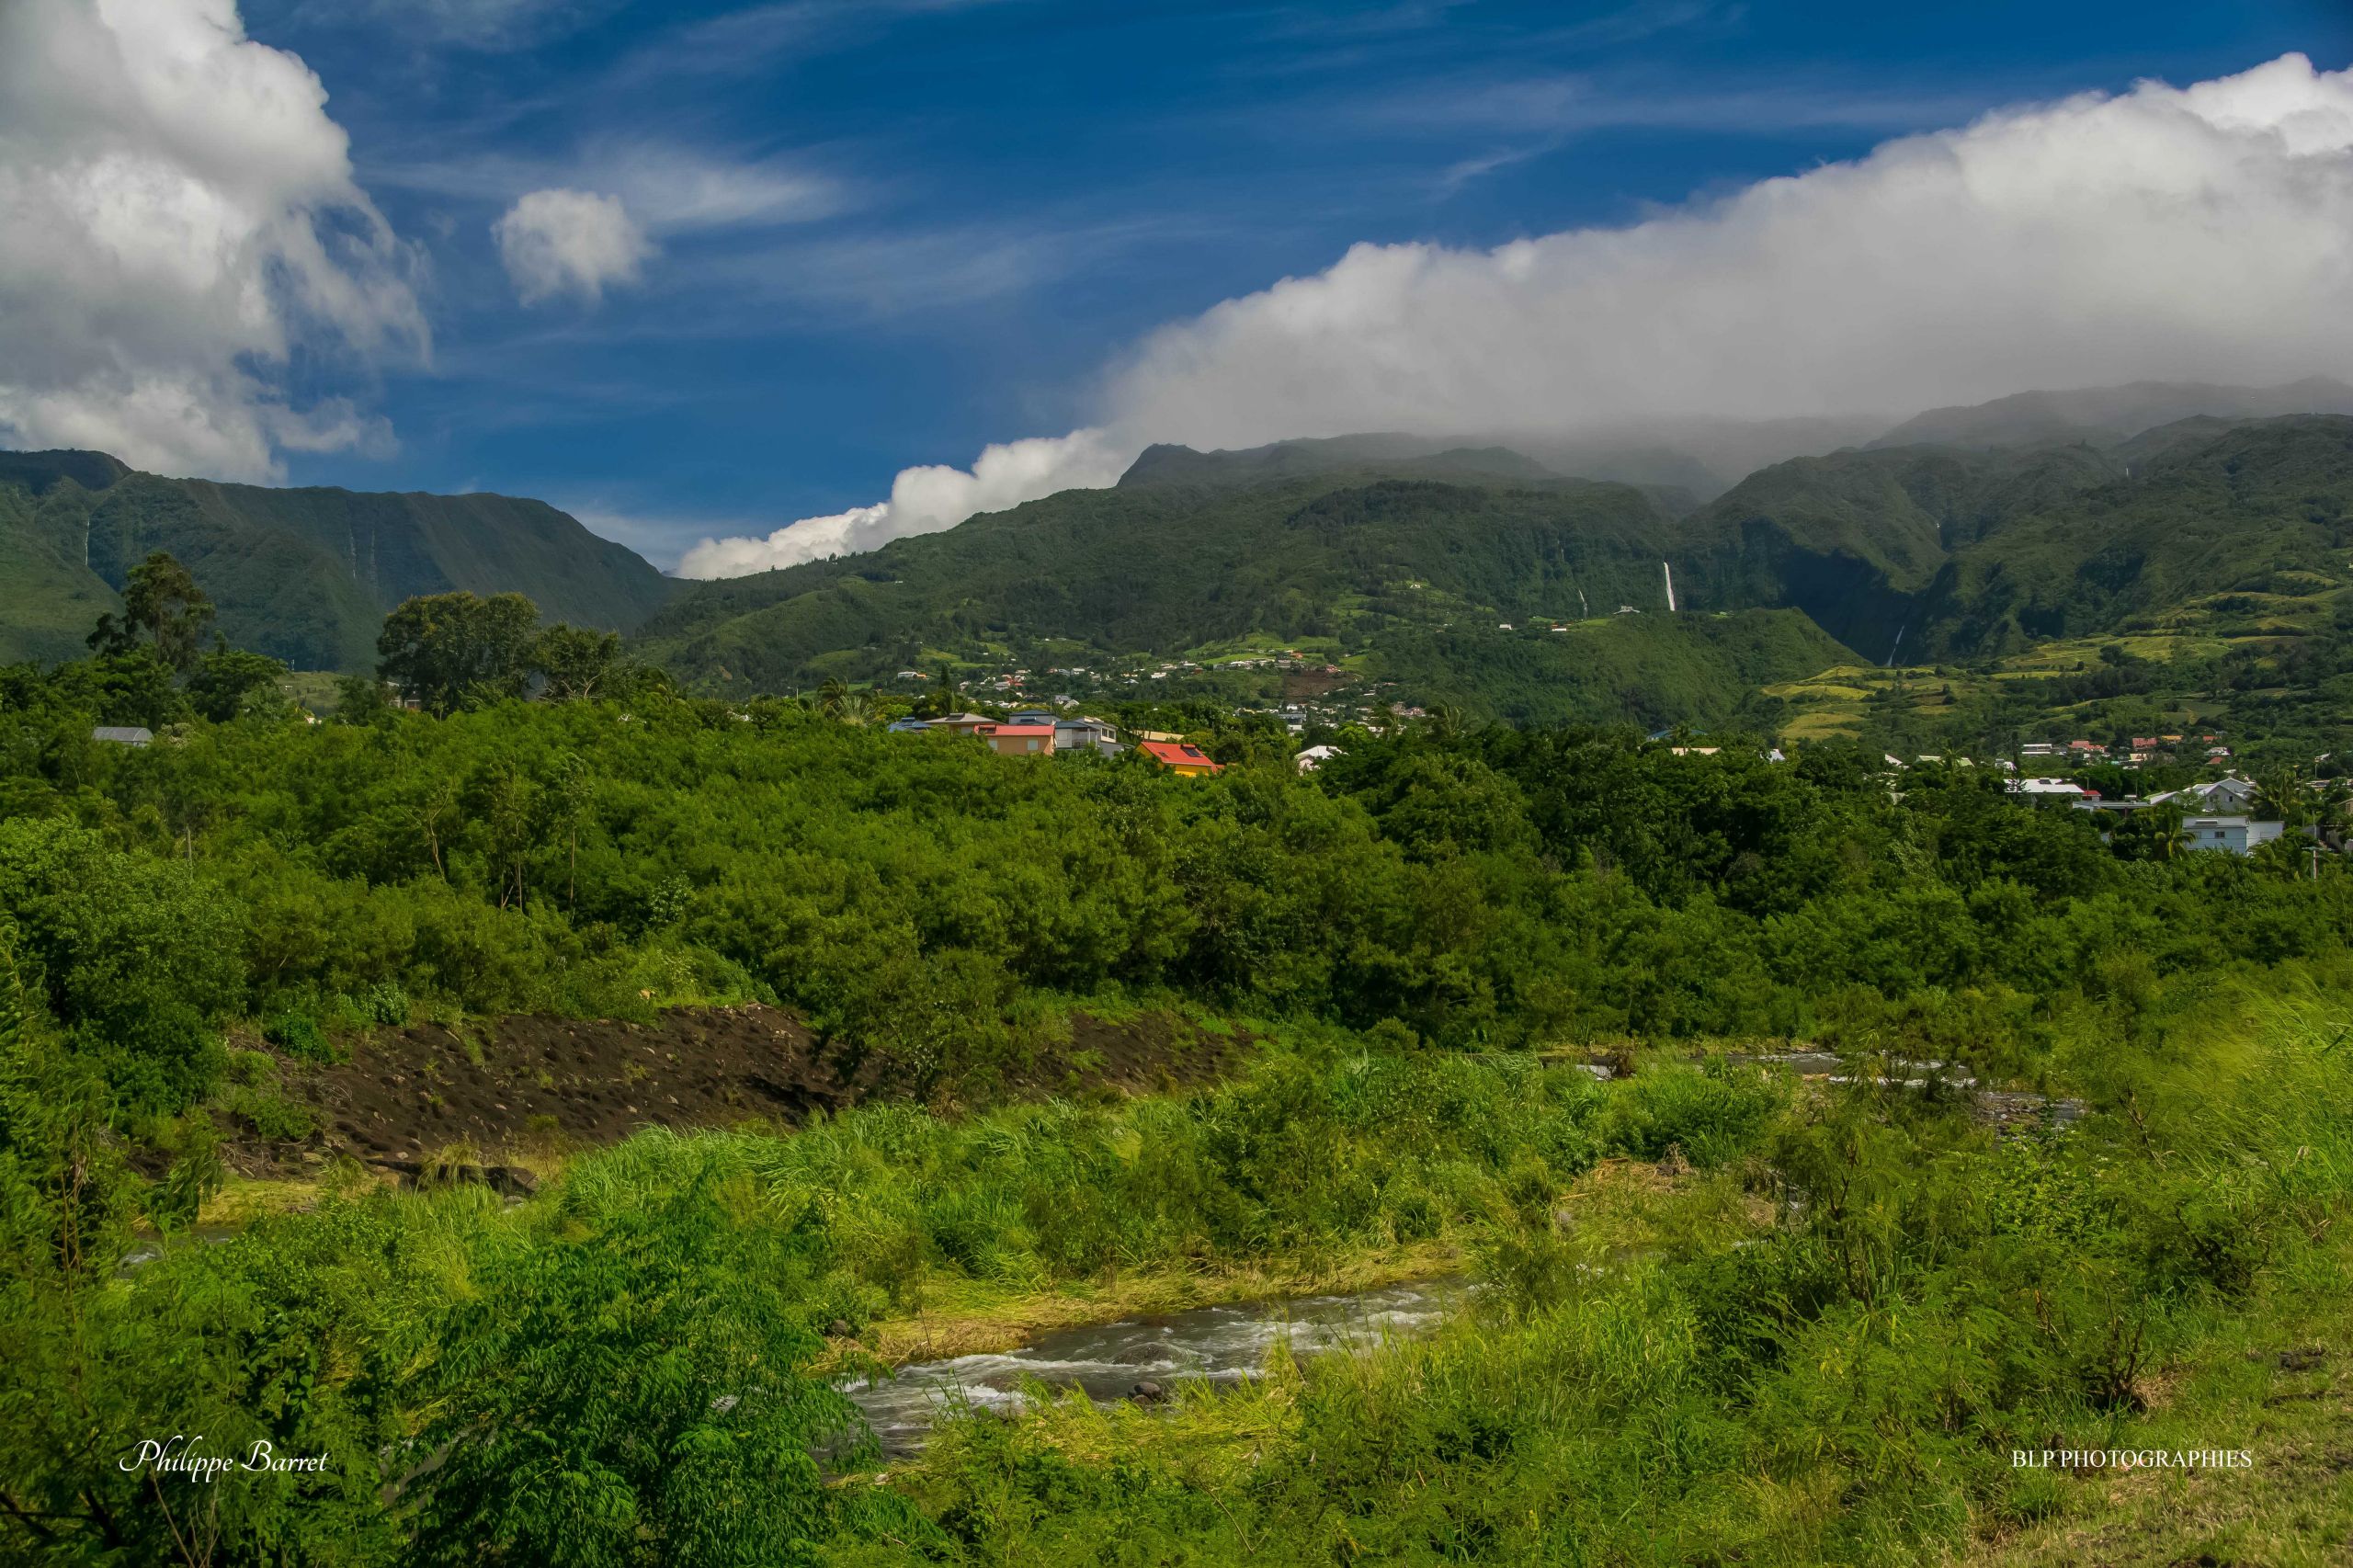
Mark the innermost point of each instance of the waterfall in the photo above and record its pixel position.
(1662, 566)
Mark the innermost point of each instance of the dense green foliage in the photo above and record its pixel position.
(301, 575)
(1495, 888)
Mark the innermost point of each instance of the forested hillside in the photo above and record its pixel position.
(302, 575)
(1430, 568)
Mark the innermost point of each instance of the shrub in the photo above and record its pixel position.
(271, 1117)
(298, 1034)
(1712, 1115)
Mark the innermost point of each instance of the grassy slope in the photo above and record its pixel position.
(52, 600)
(1654, 670)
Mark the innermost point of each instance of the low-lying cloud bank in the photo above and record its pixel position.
(2202, 234)
(924, 500)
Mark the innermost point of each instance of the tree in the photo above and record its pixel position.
(161, 601)
(133, 686)
(360, 699)
(571, 796)
(575, 662)
(2280, 797)
(448, 650)
(229, 681)
(507, 803)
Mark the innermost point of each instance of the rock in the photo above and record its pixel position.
(510, 1181)
(1147, 1392)
(2302, 1361)
(840, 1329)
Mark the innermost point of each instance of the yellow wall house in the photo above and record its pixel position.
(1186, 761)
(1021, 740)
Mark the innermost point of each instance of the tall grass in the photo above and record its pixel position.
(1847, 1388)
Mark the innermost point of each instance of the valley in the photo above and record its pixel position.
(553, 1044)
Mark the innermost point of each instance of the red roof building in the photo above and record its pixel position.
(1181, 758)
(1020, 740)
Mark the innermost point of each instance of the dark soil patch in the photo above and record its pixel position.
(1298, 684)
(528, 1082)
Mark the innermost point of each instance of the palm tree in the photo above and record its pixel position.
(855, 708)
(2167, 838)
(2280, 797)
(831, 695)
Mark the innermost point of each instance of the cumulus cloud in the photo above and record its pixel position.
(569, 242)
(177, 216)
(2202, 234)
(924, 500)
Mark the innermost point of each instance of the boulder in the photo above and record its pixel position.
(510, 1181)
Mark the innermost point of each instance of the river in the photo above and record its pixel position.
(1212, 1344)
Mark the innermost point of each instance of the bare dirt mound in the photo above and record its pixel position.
(531, 1081)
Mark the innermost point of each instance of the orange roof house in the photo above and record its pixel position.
(1020, 740)
(1180, 758)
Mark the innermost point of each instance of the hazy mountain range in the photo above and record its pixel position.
(1958, 533)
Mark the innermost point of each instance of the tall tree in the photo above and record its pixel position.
(162, 606)
(162, 600)
(447, 650)
(575, 662)
(229, 681)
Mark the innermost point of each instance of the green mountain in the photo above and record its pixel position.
(1936, 552)
(1856, 538)
(1402, 576)
(1404, 563)
(2206, 527)
(305, 576)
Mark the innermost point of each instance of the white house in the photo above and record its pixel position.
(1085, 734)
(2224, 797)
(2239, 834)
(1314, 757)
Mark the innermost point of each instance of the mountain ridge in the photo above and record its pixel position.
(305, 573)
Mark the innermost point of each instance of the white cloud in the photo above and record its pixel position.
(176, 216)
(569, 242)
(679, 187)
(2205, 234)
(2165, 233)
(924, 500)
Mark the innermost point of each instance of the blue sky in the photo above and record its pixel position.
(891, 231)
